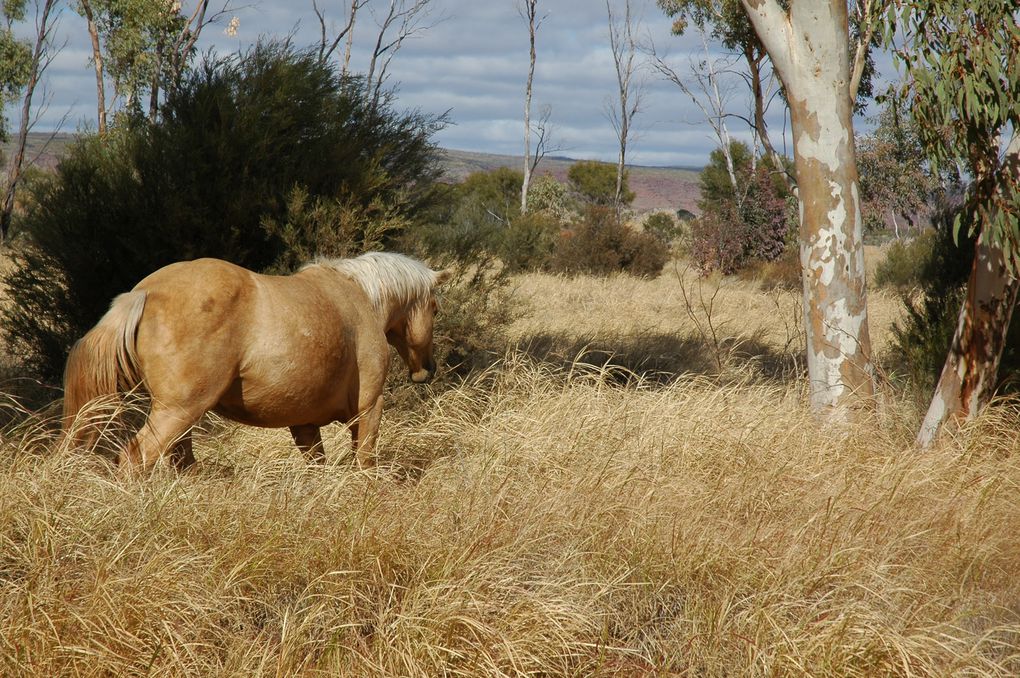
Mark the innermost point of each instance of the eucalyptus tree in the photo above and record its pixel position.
(962, 59)
(15, 57)
(143, 47)
(809, 46)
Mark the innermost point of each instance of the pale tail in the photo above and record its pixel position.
(103, 362)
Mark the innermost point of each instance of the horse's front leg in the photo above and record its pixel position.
(182, 456)
(309, 440)
(365, 429)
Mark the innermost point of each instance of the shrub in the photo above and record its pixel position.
(527, 242)
(259, 159)
(663, 226)
(784, 273)
(552, 198)
(904, 265)
(600, 244)
(717, 242)
(595, 182)
(733, 232)
(472, 216)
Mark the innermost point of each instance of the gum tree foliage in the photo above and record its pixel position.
(15, 57)
(962, 65)
(727, 22)
(255, 157)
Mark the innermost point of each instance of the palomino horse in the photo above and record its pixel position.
(300, 351)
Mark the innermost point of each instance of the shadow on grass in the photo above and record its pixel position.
(663, 357)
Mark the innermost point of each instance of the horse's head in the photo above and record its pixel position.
(411, 335)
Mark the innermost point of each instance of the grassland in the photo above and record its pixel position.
(665, 505)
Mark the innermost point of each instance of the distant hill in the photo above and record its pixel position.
(669, 188)
(43, 149)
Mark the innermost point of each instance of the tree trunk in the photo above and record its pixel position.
(345, 69)
(154, 83)
(530, 10)
(810, 49)
(97, 60)
(758, 96)
(971, 371)
(15, 167)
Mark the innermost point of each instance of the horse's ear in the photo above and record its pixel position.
(443, 276)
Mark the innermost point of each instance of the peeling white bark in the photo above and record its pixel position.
(810, 49)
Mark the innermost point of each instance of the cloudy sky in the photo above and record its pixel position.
(472, 61)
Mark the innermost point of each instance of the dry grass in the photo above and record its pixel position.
(646, 325)
(533, 522)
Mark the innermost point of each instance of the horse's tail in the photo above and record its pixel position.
(104, 362)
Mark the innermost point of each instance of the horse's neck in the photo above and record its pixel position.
(391, 312)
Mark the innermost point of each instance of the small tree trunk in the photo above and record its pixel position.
(97, 60)
(969, 376)
(154, 83)
(530, 11)
(758, 96)
(15, 167)
(345, 69)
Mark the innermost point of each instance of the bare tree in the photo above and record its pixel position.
(529, 10)
(42, 56)
(809, 46)
(630, 90)
(187, 36)
(543, 132)
(329, 45)
(408, 17)
(707, 94)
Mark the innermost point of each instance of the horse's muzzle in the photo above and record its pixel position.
(424, 374)
(421, 376)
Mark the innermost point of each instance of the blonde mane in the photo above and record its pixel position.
(385, 276)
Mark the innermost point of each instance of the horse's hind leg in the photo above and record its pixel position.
(309, 441)
(165, 427)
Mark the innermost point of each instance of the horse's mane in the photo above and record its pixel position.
(384, 276)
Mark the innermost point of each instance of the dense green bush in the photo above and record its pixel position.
(600, 244)
(261, 159)
(528, 240)
(905, 261)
